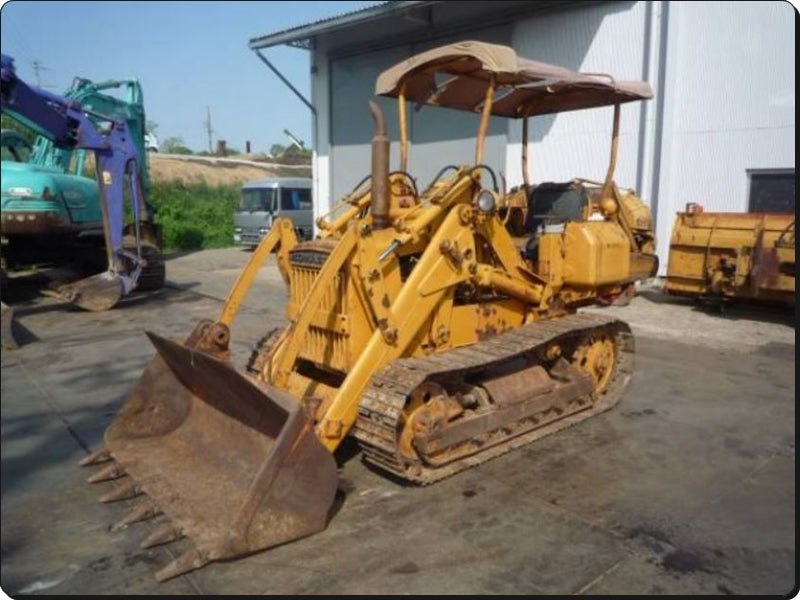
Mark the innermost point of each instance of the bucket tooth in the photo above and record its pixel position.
(188, 561)
(112, 471)
(163, 535)
(95, 458)
(146, 510)
(129, 489)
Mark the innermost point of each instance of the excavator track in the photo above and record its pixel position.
(154, 274)
(571, 395)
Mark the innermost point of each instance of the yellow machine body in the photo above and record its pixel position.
(439, 326)
(732, 256)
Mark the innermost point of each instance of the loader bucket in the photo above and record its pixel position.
(96, 293)
(234, 464)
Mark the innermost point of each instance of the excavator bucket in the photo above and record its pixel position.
(96, 293)
(234, 464)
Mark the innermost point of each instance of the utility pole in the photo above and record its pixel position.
(209, 130)
(38, 67)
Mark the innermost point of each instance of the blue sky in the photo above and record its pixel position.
(187, 55)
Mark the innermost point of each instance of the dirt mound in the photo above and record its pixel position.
(217, 171)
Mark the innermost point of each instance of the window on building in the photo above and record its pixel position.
(772, 191)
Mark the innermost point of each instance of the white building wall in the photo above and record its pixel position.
(606, 38)
(732, 103)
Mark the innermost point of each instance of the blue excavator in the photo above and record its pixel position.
(131, 239)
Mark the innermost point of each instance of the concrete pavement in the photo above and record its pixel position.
(686, 487)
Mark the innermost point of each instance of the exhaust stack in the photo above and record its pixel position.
(380, 170)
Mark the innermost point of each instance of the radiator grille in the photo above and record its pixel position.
(322, 345)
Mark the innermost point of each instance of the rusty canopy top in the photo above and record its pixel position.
(457, 76)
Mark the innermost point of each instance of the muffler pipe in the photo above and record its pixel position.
(380, 170)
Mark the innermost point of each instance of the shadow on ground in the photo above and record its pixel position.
(728, 309)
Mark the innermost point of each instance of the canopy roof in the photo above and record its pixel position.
(458, 75)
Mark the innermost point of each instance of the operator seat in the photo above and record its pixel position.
(549, 203)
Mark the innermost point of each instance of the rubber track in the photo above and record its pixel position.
(381, 409)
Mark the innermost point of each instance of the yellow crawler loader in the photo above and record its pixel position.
(432, 325)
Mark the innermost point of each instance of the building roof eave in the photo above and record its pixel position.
(301, 35)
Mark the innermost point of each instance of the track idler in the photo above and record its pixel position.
(232, 463)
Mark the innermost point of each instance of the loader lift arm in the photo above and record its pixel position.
(71, 126)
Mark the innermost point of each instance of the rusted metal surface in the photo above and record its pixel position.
(493, 431)
(142, 512)
(465, 437)
(96, 293)
(518, 385)
(380, 170)
(729, 256)
(766, 268)
(771, 262)
(232, 463)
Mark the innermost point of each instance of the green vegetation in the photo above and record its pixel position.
(175, 145)
(280, 151)
(7, 122)
(194, 216)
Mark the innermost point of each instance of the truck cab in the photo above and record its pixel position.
(264, 200)
(151, 142)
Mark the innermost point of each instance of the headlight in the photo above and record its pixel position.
(237, 230)
(262, 231)
(486, 201)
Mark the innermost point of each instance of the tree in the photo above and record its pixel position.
(295, 150)
(11, 123)
(175, 145)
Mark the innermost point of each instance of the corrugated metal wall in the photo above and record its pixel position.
(351, 126)
(606, 38)
(732, 103)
